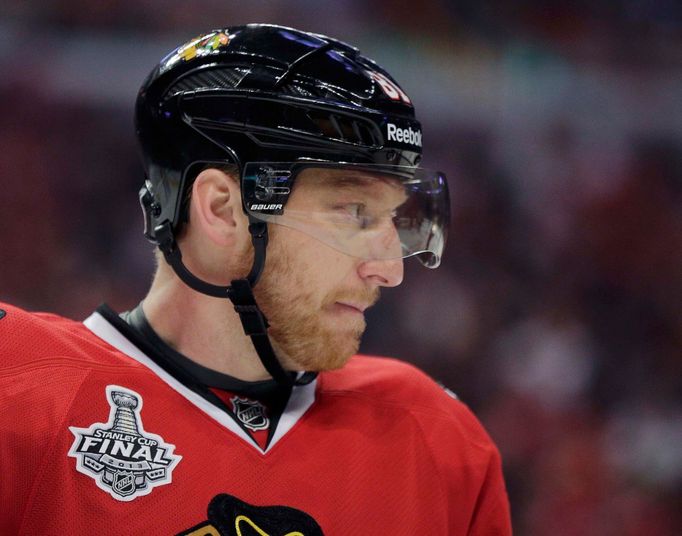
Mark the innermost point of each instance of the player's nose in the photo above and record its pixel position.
(384, 266)
(382, 272)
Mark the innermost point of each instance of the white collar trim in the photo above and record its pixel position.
(302, 396)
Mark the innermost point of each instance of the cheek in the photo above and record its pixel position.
(332, 274)
(311, 268)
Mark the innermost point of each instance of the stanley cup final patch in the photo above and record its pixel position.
(120, 456)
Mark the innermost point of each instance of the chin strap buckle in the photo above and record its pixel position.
(253, 320)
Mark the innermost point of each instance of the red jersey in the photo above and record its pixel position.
(96, 438)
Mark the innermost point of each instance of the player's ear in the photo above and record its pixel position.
(215, 207)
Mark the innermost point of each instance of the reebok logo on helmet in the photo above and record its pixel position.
(404, 135)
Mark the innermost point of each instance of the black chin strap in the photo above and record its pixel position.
(240, 292)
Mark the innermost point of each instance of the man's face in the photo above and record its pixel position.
(313, 295)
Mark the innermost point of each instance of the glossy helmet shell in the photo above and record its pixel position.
(264, 93)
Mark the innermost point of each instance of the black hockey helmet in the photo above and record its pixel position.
(273, 101)
(263, 93)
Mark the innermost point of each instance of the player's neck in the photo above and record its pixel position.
(206, 330)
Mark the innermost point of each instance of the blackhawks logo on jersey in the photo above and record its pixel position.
(229, 516)
(123, 459)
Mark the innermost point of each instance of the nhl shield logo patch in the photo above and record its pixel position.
(251, 413)
(120, 456)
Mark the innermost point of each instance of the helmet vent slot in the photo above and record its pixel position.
(300, 89)
(339, 127)
(209, 79)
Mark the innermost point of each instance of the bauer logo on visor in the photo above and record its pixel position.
(367, 211)
(261, 206)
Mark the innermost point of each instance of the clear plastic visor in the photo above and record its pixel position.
(366, 211)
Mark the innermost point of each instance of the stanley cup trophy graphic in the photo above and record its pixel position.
(122, 471)
(124, 419)
(124, 459)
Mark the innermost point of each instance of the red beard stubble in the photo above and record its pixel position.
(304, 334)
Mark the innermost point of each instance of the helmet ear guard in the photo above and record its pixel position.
(150, 209)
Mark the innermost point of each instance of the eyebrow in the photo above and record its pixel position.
(350, 181)
(362, 180)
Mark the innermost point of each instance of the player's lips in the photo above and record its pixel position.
(353, 307)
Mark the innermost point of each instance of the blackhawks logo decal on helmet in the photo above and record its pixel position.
(123, 459)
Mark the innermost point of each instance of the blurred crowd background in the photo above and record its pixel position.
(557, 313)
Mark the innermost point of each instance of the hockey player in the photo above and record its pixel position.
(283, 189)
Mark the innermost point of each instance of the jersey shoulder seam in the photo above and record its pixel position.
(60, 361)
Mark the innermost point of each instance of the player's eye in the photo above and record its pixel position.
(355, 214)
